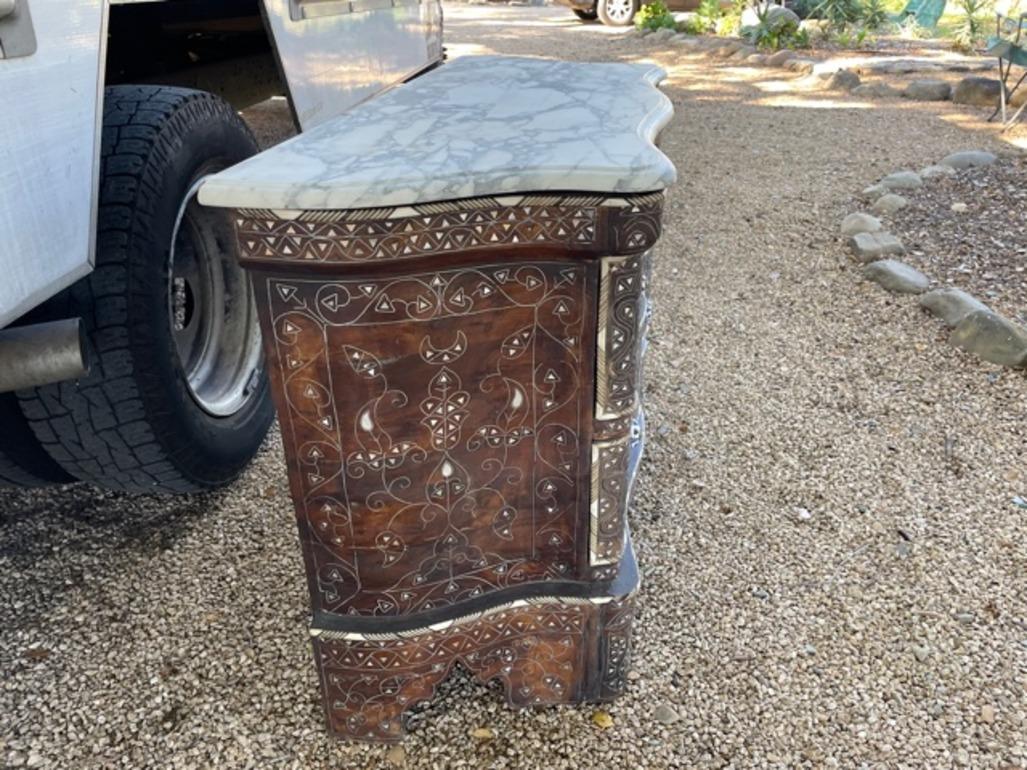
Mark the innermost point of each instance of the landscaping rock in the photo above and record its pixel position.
(779, 58)
(933, 172)
(951, 305)
(757, 58)
(976, 91)
(816, 28)
(969, 159)
(868, 247)
(889, 203)
(902, 180)
(665, 714)
(860, 223)
(991, 337)
(928, 90)
(777, 16)
(660, 35)
(802, 66)
(743, 53)
(876, 91)
(727, 50)
(874, 191)
(896, 276)
(843, 80)
(688, 41)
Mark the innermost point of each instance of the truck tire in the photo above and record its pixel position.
(617, 13)
(177, 399)
(23, 462)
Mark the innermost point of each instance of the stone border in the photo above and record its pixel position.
(975, 328)
(973, 90)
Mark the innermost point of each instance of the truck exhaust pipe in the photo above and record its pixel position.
(42, 353)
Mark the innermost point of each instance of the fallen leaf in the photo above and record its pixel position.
(37, 653)
(602, 719)
(396, 756)
(270, 492)
(482, 734)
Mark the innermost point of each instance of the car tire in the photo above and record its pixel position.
(617, 13)
(586, 14)
(23, 462)
(146, 419)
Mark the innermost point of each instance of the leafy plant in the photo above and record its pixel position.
(851, 37)
(654, 15)
(912, 29)
(973, 24)
(775, 32)
(873, 14)
(707, 14)
(839, 13)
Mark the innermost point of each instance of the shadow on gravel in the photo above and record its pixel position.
(57, 540)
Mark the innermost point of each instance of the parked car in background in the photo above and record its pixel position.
(618, 13)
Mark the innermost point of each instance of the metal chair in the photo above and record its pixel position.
(1009, 44)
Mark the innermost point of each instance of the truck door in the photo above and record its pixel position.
(50, 59)
(337, 53)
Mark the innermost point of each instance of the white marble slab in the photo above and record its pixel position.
(481, 125)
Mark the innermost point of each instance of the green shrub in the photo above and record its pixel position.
(775, 36)
(840, 13)
(707, 14)
(873, 14)
(974, 23)
(654, 15)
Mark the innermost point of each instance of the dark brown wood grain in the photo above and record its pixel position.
(458, 388)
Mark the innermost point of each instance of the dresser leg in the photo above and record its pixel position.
(539, 651)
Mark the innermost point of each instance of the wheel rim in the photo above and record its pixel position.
(619, 10)
(211, 309)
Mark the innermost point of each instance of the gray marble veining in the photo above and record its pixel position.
(482, 125)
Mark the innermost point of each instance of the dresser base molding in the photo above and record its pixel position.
(545, 651)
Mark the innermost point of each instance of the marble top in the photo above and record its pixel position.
(480, 125)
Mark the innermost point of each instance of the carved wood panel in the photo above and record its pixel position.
(439, 425)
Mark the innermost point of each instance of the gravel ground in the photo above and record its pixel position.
(835, 574)
(982, 250)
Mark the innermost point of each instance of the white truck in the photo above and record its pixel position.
(129, 349)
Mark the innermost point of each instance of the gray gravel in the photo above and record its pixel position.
(835, 572)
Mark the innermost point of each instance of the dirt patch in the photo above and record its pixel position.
(982, 250)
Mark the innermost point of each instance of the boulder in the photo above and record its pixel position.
(816, 28)
(928, 90)
(777, 16)
(896, 276)
(976, 91)
(860, 223)
(688, 41)
(867, 247)
(991, 337)
(968, 159)
(933, 172)
(778, 58)
(951, 305)
(876, 91)
(843, 80)
(902, 180)
(889, 203)
(742, 53)
(874, 191)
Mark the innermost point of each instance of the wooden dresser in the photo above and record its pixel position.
(452, 287)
